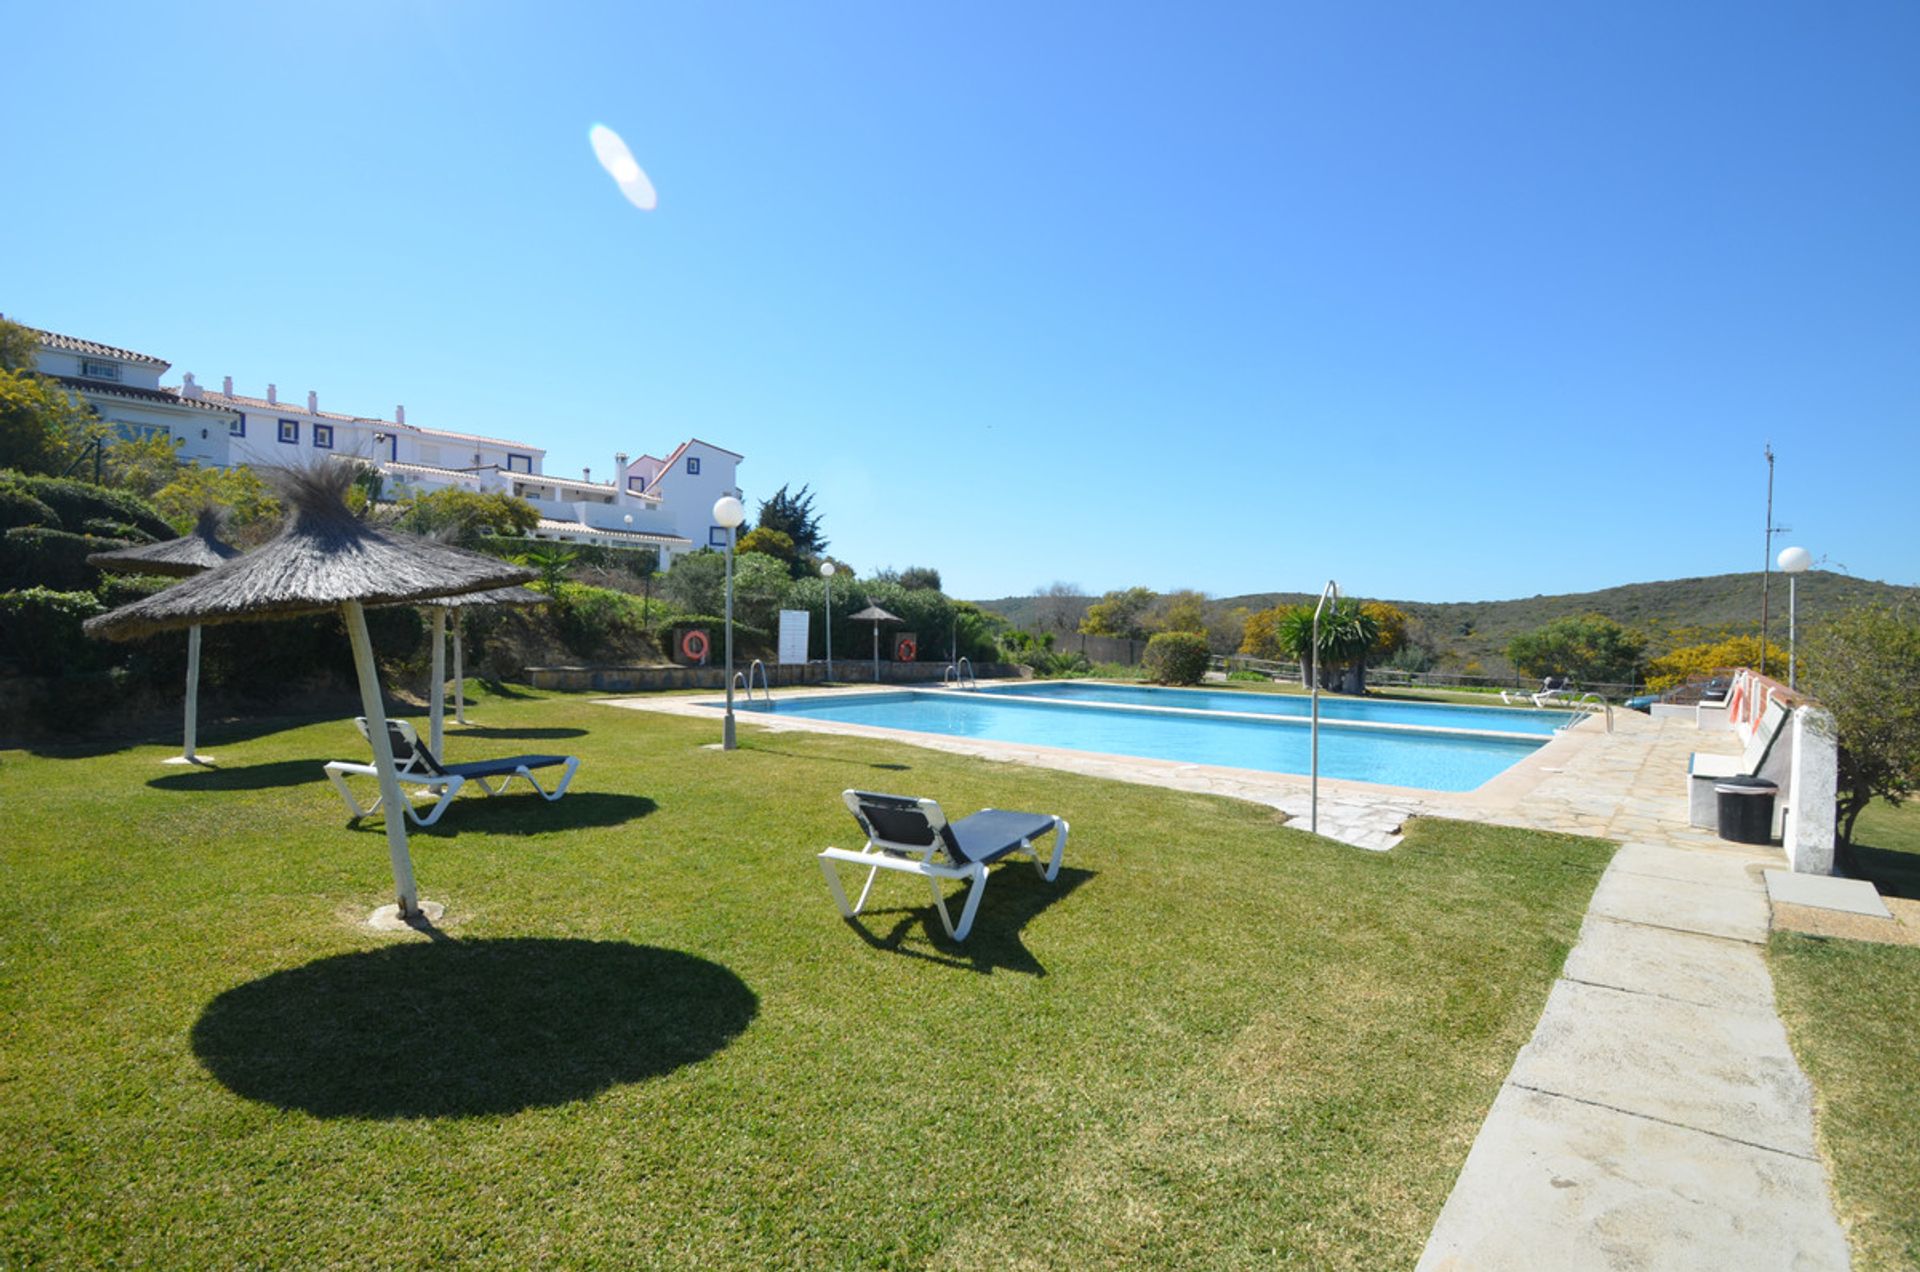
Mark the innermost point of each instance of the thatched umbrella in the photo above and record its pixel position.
(326, 558)
(875, 615)
(447, 610)
(184, 557)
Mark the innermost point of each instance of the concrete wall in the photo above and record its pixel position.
(1812, 783)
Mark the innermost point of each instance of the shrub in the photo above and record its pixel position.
(1051, 666)
(101, 527)
(1177, 658)
(467, 516)
(1253, 677)
(75, 502)
(40, 629)
(33, 557)
(18, 507)
(590, 619)
(1589, 648)
(116, 590)
(666, 634)
(1862, 666)
(1685, 663)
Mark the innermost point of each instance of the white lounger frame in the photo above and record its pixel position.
(442, 787)
(920, 859)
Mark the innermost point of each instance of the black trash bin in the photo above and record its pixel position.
(1746, 809)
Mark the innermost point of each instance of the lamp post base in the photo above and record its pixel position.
(726, 735)
(205, 760)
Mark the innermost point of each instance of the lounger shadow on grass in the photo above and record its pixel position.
(824, 759)
(523, 813)
(1018, 895)
(239, 777)
(468, 1028)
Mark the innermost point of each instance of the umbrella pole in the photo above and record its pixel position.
(876, 653)
(193, 694)
(391, 799)
(437, 691)
(459, 674)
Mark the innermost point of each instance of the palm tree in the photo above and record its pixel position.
(1346, 634)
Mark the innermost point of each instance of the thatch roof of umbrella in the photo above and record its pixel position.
(324, 557)
(874, 614)
(492, 596)
(190, 554)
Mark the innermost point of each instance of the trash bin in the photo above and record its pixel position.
(1746, 809)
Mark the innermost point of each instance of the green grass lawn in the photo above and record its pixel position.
(1853, 1012)
(644, 1037)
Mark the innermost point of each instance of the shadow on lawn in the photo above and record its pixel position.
(825, 759)
(241, 777)
(468, 1028)
(522, 812)
(510, 731)
(1014, 896)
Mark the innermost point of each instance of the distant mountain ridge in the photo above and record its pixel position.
(1667, 612)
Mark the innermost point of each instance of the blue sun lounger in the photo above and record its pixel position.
(418, 766)
(913, 836)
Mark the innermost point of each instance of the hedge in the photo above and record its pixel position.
(18, 507)
(666, 635)
(33, 557)
(77, 502)
(40, 630)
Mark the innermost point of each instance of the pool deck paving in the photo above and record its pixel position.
(1657, 1117)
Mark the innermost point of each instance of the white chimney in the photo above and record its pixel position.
(313, 402)
(273, 395)
(188, 389)
(586, 474)
(620, 475)
(226, 385)
(399, 415)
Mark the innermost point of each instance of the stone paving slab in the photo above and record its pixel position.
(1554, 1183)
(1652, 960)
(1737, 914)
(1827, 892)
(1725, 1071)
(1691, 865)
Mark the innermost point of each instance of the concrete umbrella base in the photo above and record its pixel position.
(191, 759)
(387, 917)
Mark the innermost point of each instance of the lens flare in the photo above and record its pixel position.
(622, 167)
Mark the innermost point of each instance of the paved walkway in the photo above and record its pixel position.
(1657, 1118)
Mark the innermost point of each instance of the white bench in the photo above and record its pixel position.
(1765, 756)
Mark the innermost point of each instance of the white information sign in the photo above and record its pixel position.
(793, 636)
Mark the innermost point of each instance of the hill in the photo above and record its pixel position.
(1671, 612)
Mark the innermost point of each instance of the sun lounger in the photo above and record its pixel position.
(1552, 689)
(418, 766)
(913, 836)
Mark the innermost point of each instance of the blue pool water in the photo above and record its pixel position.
(1427, 715)
(1364, 752)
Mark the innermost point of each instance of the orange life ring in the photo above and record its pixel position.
(904, 651)
(694, 645)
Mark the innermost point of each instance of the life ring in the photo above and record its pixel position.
(904, 651)
(694, 645)
(1737, 699)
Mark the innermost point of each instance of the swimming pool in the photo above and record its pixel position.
(1424, 715)
(1443, 753)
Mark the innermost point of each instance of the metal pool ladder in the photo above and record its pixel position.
(959, 676)
(743, 680)
(1581, 703)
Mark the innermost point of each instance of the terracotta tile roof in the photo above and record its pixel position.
(641, 536)
(161, 397)
(74, 344)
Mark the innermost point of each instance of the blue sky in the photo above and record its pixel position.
(1445, 301)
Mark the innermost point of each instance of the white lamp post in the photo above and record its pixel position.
(1793, 562)
(1313, 799)
(826, 572)
(728, 513)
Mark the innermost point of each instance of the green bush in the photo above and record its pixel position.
(1254, 677)
(104, 528)
(1048, 665)
(77, 502)
(40, 630)
(33, 557)
(589, 619)
(1176, 658)
(18, 507)
(116, 590)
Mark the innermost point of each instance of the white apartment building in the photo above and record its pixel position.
(665, 504)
